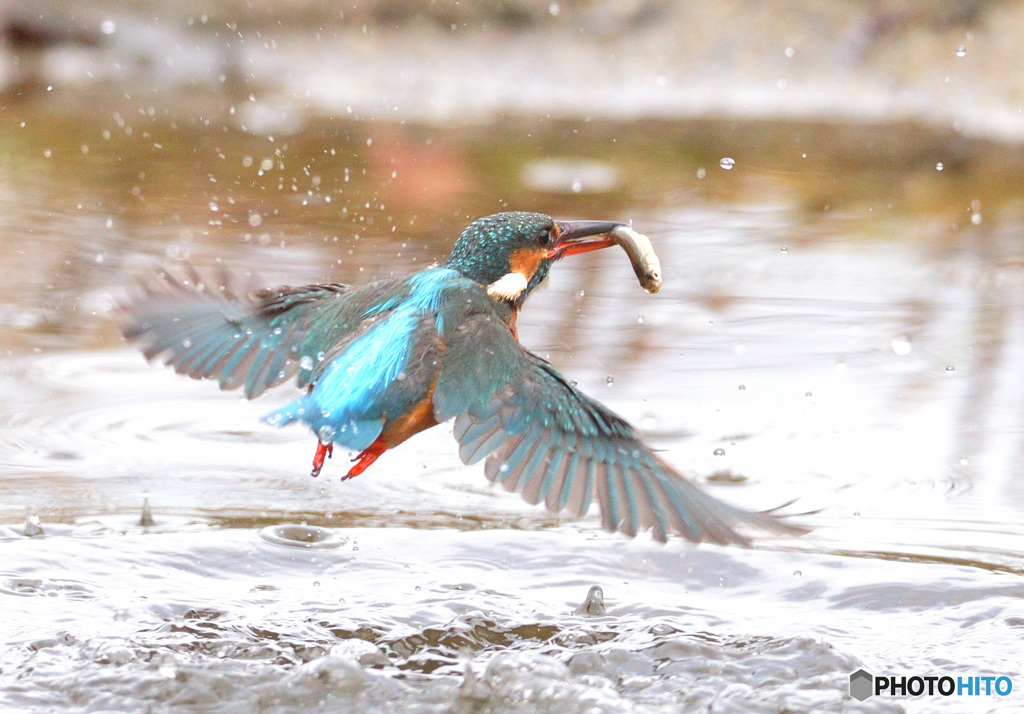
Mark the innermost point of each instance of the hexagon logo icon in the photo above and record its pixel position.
(861, 685)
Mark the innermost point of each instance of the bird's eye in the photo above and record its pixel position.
(545, 237)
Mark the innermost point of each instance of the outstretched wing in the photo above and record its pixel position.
(242, 338)
(549, 441)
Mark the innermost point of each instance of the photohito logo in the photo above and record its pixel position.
(863, 684)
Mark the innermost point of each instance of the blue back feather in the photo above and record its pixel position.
(350, 401)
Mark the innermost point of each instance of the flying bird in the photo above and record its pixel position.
(379, 363)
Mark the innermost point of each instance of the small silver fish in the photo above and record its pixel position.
(641, 254)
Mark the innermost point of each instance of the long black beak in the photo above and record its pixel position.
(572, 237)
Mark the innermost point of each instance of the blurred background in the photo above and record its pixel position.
(835, 191)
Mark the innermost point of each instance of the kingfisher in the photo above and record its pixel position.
(379, 363)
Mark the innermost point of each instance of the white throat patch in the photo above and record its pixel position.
(508, 287)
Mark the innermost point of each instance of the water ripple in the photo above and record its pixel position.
(293, 535)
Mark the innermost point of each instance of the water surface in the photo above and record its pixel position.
(840, 328)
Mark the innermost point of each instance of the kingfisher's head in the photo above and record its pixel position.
(511, 253)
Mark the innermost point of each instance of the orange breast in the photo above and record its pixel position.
(419, 418)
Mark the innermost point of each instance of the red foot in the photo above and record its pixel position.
(365, 458)
(322, 451)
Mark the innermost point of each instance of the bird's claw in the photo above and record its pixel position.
(323, 451)
(365, 457)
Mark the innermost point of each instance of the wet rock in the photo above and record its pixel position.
(199, 687)
(338, 672)
(360, 651)
(588, 662)
(510, 667)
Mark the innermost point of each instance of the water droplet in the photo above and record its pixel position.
(950, 368)
(33, 527)
(727, 163)
(554, 9)
(266, 164)
(808, 394)
(583, 293)
(976, 218)
(784, 249)
(719, 452)
(856, 514)
(961, 50)
(789, 52)
(593, 605)
(841, 368)
(662, 80)
(577, 186)
(798, 573)
(938, 166)
(146, 519)
(255, 219)
(640, 319)
(702, 172)
(503, 468)
(186, 343)
(400, 376)
(306, 363)
(901, 345)
(743, 387)
(108, 27)
(214, 207)
(326, 433)
(610, 381)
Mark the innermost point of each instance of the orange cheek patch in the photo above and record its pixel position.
(526, 260)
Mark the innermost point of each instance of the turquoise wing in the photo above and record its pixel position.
(546, 439)
(254, 339)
